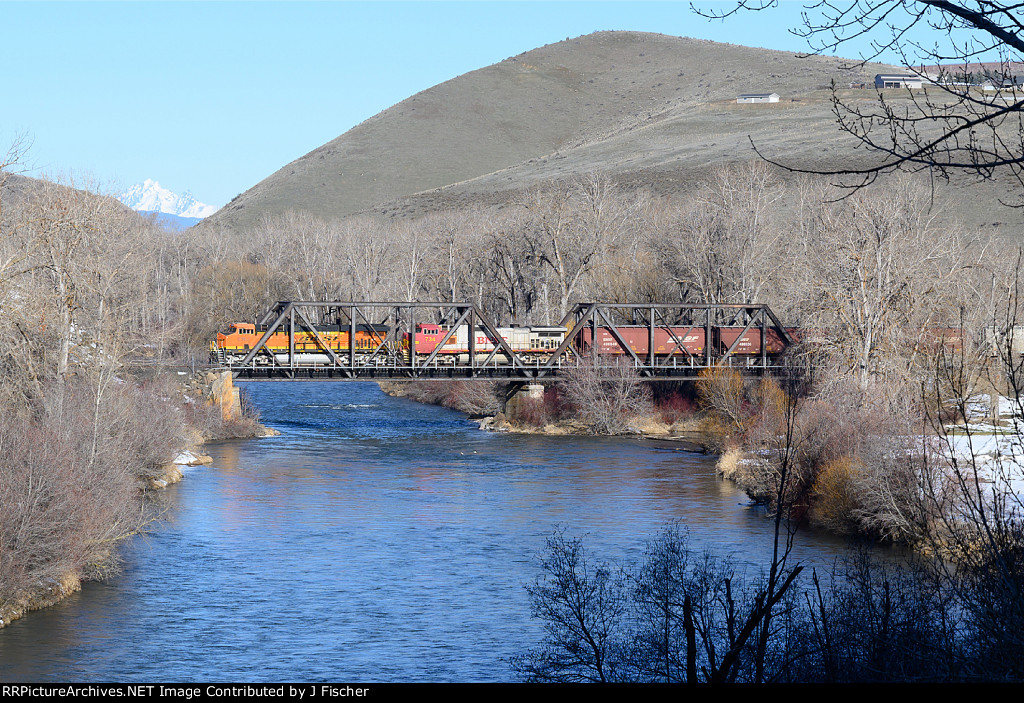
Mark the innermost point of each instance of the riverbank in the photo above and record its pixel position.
(209, 407)
(680, 435)
(218, 413)
(938, 486)
(482, 402)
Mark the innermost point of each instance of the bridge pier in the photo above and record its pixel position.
(224, 393)
(520, 394)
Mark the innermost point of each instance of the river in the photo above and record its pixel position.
(376, 539)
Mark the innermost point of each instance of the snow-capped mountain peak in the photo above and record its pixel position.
(151, 197)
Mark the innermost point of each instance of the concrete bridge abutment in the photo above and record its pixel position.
(521, 395)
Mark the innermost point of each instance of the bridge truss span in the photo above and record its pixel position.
(321, 340)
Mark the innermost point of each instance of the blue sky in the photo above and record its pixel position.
(213, 97)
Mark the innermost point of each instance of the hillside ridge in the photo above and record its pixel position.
(564, 97)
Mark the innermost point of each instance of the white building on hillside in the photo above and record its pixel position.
(883, 80)
(758, 98)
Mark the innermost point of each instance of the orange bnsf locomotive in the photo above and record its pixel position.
(231, 348)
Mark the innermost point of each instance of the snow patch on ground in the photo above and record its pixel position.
(188, 458)
(996, 450)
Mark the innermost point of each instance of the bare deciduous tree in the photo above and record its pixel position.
(728, 245)
(571, 228)
(886, 275)
(607, 395)
(581, 604)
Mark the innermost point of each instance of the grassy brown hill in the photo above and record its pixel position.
(651, 110)
(18, 189)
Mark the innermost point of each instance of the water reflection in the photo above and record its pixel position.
(375, 539)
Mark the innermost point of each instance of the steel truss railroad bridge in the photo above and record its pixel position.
(491, 357)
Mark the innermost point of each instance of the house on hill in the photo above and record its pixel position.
(884, 80)
(758, 98)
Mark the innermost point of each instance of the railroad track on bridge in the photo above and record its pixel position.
(404, 341)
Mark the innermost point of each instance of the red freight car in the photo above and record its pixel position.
(749, 344)
(684, 341)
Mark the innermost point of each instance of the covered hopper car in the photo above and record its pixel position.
(680, 341)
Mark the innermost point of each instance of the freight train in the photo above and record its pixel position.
(533, 345)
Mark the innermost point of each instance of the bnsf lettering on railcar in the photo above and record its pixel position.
(685, 341)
